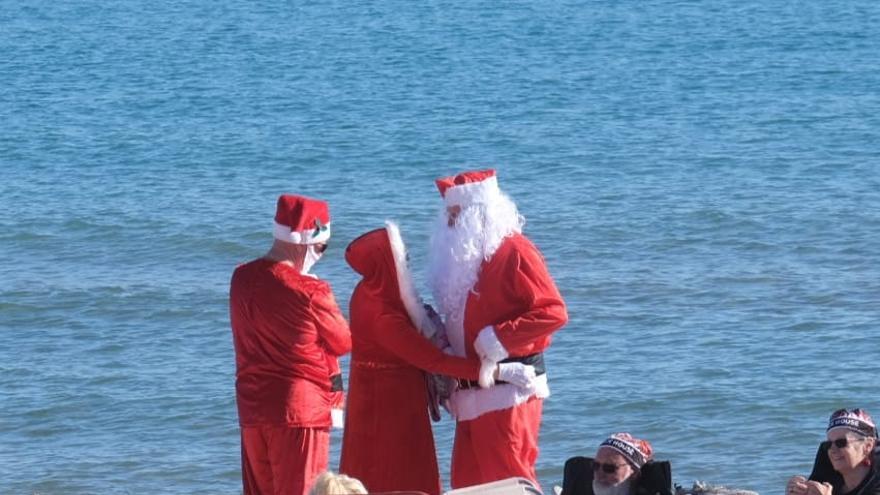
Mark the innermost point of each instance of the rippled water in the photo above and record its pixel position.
(701, 177)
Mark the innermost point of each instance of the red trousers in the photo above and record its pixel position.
(497, 445)
(282, 460)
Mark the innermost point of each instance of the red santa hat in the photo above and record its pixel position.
(636, 451)
(469, 188)
(301, 220)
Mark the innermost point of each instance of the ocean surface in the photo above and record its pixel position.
(703, 179)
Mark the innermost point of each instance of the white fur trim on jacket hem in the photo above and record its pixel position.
(488, 346)
(470, 403)
(283, 233)
(408, 294)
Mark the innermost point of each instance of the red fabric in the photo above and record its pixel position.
(497, 445)
(286, 327)
(301, 213)
(516, 294)
(388, 442)
(280, 460)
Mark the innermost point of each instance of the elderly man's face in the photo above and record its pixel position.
(452, 213)
(605, 458)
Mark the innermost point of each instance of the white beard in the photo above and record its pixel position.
(455, 257)
(621, 488)
(457, 252)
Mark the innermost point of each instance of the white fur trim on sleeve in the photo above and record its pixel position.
(488, 346)
(408, 294)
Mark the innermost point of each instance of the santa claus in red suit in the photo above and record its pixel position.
(388, 443)
(500, 305)
(288, 333)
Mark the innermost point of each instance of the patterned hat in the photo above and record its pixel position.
(636, 451)
(468, 188)
(857, 420)
(301, 220)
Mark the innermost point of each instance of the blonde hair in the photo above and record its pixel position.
(329, 483)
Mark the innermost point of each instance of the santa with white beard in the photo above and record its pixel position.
(500, 304)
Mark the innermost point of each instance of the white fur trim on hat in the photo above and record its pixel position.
(283, 233)
(465, 195)
(408, 293)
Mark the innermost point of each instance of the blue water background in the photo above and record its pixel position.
(702, 178)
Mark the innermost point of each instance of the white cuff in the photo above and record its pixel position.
(337, 419)
(488, 346)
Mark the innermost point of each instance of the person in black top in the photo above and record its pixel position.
(847, 462)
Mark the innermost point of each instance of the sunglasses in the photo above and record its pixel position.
(840, 443)
(606, 467)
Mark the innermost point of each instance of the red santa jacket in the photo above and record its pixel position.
(516, 296)
(286, 328)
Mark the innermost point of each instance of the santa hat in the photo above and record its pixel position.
(469, 188)
(301, 220)
(636, 451)
(857, 420)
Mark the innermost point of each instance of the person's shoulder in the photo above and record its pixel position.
(308, 285)
(293, 279)
(518, 246)
(248, 268)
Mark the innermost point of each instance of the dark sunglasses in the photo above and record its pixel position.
(840, 443)
(607, 467)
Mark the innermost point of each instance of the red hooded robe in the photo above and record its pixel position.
(388, 443)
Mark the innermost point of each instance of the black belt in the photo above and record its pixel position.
(336, 383)
(536, 360)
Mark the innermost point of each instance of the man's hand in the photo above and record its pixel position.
(521, 375)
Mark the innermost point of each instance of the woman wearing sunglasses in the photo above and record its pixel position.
(846, 463)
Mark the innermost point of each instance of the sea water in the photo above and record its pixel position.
(702, 178)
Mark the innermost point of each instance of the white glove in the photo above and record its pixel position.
(521, 375)
(487, 373)
(488, 347)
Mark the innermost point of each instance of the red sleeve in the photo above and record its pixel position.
(534, 288)
(397, 334)
(332, 328)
